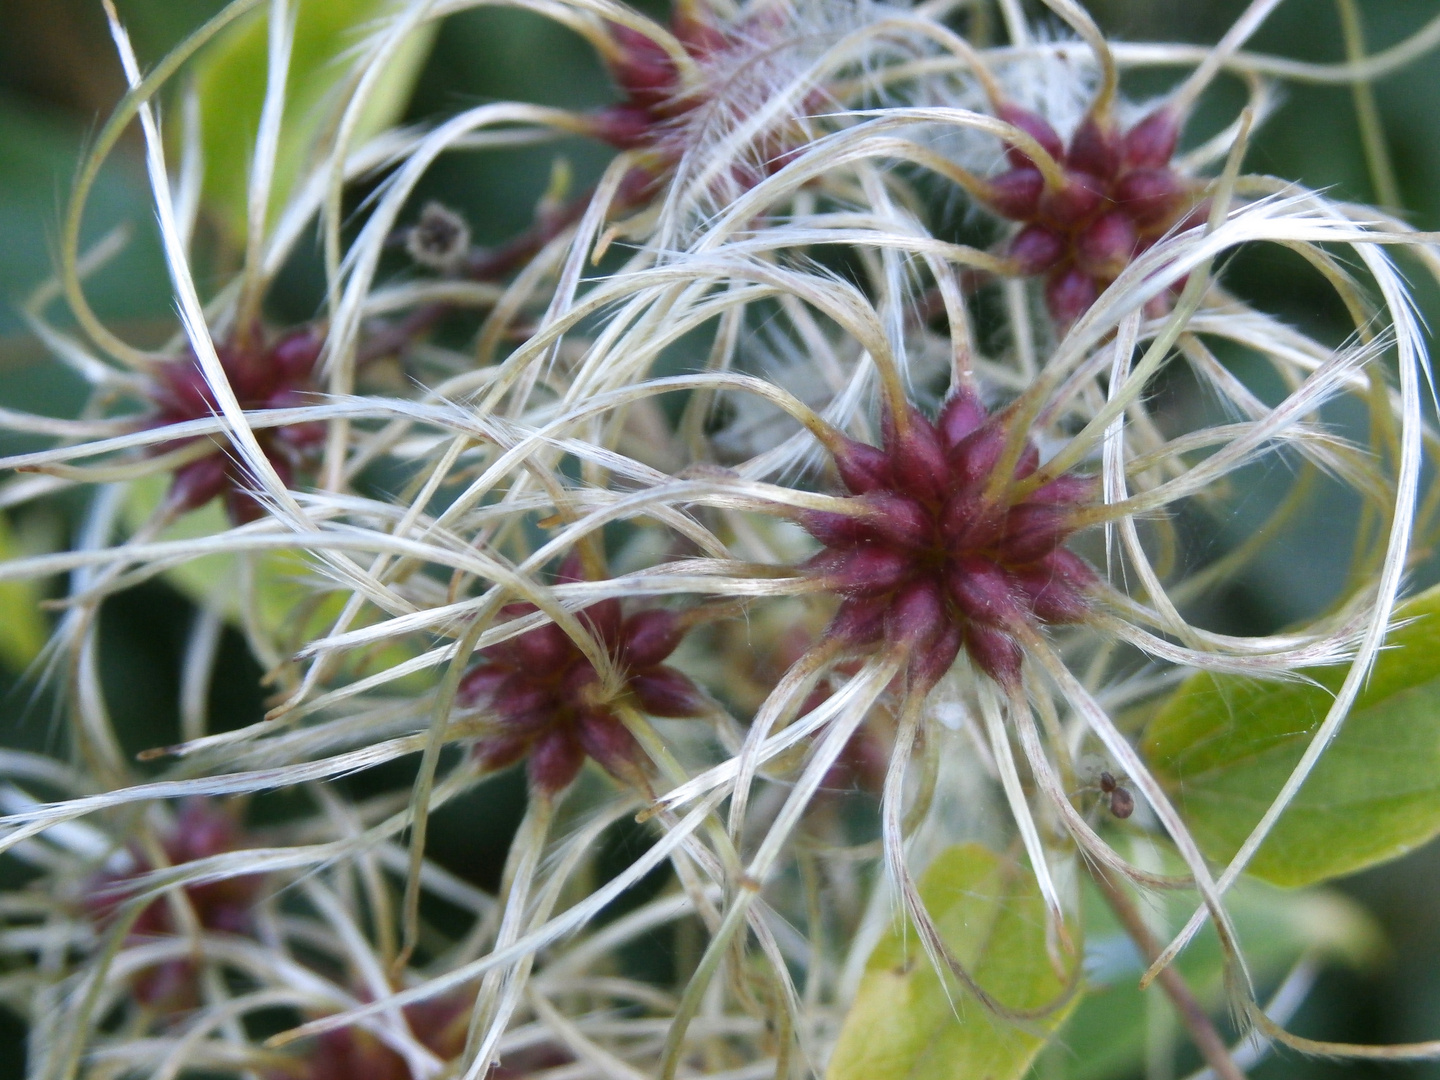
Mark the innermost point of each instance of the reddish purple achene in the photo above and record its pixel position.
(1121, 194)
(204, 828)
(277, 376)
(353, 1053)
(549, 702)
(934, 564)
(656, 98)
(439, 1024)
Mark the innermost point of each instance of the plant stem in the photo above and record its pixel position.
(1192, 1014)
(1367, 113)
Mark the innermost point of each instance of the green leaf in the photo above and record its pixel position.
(230, 78)
(1224, 745)
(1105, 1036)
(39, 149)
(277, 594)
(22, 627)
(908, 1024)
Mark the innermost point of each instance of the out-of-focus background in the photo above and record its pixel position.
(59, 78)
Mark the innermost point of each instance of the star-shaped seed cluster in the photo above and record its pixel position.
(551, 706)
(939, 554)
(1121, 193)
(276, 376)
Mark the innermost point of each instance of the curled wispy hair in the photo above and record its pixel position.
(605, 471)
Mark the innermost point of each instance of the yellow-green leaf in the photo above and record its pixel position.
(1224, 745)
(22, 626)
(231, 76)
(909, 1024)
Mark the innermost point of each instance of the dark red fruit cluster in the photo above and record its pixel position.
(657, 99)
(273, 377)
(203, 829)
(549, 701)
(1119, 196)
(353, 1053)
(938, 557)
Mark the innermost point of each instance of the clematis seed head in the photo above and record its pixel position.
(940, 554)
(274, 376)
(549, 703)
(1119, 194)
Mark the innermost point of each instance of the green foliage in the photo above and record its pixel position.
(37, 162)
(1223, 746)
(1106, 1035)
(230, 77)
(907, 1023)
(278, 593)
(22, 626)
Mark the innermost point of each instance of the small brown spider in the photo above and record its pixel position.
(1122, 803)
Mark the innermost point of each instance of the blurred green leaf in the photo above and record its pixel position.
(230, 78)
(212, 581)
(278, 594)
(38, 154)
(908, 1024)
(1223, 746)
(157, 26)
(1105, 1036)
(22, 627)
